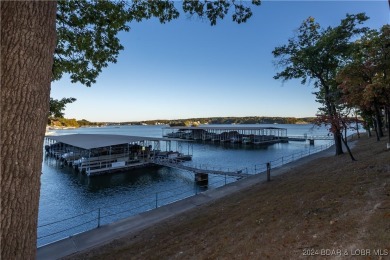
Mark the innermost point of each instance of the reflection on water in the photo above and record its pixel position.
(66, 193)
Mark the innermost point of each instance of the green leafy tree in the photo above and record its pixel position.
(57, 107)
(87, 30)
(85, 42)
(316, 54)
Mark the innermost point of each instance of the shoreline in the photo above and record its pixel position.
(107, 233)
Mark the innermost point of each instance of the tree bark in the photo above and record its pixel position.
(28, 40)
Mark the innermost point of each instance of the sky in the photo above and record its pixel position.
(189, 69)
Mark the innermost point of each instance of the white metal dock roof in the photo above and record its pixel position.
(90, 141)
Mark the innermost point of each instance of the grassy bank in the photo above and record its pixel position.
(330, 204)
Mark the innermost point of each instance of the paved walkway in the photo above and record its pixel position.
(134, 224)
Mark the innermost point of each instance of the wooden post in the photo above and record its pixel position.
(268, 171)
(98, 218)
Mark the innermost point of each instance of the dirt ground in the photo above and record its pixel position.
(329, 208)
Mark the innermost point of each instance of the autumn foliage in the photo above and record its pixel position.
(349, 66)
(364, 81)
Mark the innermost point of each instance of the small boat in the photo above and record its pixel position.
(246, 140)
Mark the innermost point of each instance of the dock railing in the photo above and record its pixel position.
(310, 137)
(57, 230)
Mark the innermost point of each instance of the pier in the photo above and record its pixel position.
(233, 134)
(201, 174)
(311, 138)
(177, 163)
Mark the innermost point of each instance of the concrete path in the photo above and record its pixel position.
(134, 224)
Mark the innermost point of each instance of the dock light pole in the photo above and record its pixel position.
(268, 171)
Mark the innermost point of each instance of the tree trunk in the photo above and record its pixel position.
(28, 40)
(331, 110)
(345, 141)
(338, 143)
(357, 125)
(376, 130)
(388, 126)
(348, 149)
(345, 135)
(387, 117)
(378, 120)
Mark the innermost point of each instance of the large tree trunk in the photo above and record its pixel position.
(331, 111)
(338, 143)
(376, 129)
(28, 39)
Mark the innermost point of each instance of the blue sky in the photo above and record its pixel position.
(186, 68)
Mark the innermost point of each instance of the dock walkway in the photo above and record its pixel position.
(178, 164)
(303, 138)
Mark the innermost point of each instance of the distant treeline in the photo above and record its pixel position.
(66, 122)
(230, 120)
(63, 122)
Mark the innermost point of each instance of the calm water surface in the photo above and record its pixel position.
(65, 193)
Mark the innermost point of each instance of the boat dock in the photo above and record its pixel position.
(96, 154)
(234, 134)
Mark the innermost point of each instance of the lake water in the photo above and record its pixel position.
(66, 193)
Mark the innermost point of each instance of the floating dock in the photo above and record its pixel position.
(97, 154)
(234, 134)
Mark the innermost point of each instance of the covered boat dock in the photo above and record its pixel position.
(233, 134)
(97, 154)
